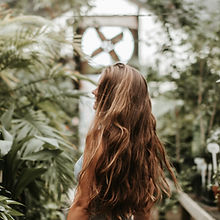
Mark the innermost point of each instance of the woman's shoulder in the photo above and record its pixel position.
(78, 166)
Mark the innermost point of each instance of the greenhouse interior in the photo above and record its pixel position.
(53, 56)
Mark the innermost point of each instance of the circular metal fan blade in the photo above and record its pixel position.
(96, 52)
(114, 55)
(101, 35)
(117, 38)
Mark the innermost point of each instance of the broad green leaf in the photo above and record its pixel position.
(34, 123)
(2, 209)
(50, 147)
(6, 144)
(50, 141)
(23, 132)
(34, 145)
(42, 155)
(13, 159)
(7, 116)
(12, 202)
(27, 176)
(7, 136)
(5, 147)
(9, 217)
(13, 212)
(4, 217)
(3, 198)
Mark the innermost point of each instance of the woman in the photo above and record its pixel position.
(123, 167)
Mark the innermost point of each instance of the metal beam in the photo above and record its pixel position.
(129, 21)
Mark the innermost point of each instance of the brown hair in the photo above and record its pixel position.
(129, 173)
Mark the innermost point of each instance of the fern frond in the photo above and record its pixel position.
(33, 123)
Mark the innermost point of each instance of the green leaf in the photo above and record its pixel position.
(7, 116)
(9, 217)
(6, 144)
(13, 160)
(2, 209)
(4, 217)
(7, 136)
(15, 213)
(82, 77)
(44, 155)
(2, 198)
(33, 145)
(23, 132)
(50, 141)
(27, 176)
(34, 123)
(5, 147)
(12, 202)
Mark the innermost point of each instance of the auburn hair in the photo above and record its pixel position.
(129, 173)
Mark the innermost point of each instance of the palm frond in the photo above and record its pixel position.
(33, 123)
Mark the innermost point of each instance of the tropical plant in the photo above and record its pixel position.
(7, 212)
(37, 101)
(193, 76)
(49, 8)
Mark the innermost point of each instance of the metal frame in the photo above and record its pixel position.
(128, 21)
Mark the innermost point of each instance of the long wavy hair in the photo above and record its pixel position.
(129, 173)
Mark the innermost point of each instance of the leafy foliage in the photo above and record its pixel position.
(7, 212)
(191, 123)
(37, 102)
(175, 12)
(49, 8)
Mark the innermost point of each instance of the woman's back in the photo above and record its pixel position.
(122, 173)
